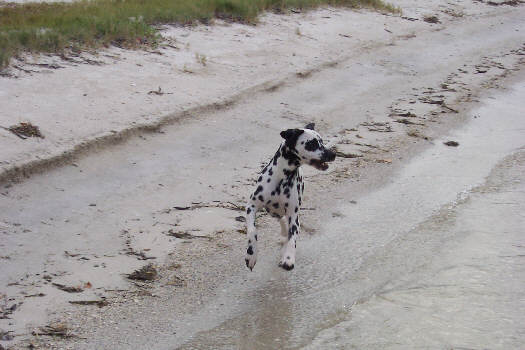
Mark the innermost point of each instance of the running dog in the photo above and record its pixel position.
(280, 188)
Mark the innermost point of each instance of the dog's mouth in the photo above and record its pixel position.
(319, 164)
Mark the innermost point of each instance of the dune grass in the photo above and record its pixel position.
(54, 27)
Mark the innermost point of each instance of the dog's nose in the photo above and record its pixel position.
(328, 156)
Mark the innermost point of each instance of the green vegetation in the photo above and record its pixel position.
(54, 27)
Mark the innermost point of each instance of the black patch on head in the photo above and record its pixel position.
(270, 172)
(291, 136)
(310, 126)
(261, 198)
(248, 211)
(268, 180)
(259, 189)
(296, 209)
(275, 205)
(249, 251)
(260, 179)
(312, 145)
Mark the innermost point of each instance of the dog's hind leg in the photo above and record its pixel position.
(251, 252)
(288, 259)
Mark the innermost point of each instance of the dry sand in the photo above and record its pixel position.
(378, 86)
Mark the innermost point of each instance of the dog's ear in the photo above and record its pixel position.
(310, 126)
(291, 136)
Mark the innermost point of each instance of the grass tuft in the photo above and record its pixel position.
(55, 27)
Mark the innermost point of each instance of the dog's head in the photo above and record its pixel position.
(308, 145)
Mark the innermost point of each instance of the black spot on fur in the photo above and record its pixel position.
(275, 157)
(275, 205)
(268, 180)
(261, 198)
(297, 221)
(255, 237)
(292, 157)
(248, 211)
(270, 172)
(312, 145)
(296, 209)
(259, 189)
(249, 251)
(260, 179)
(292, 231)
(273, 193)
(286, 205)
(287, 267)
(268, 201)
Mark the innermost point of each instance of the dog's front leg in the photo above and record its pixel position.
(288, 259)
(251, 252)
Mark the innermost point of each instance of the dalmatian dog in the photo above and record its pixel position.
(280, 188)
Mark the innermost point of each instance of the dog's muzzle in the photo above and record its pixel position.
(328, 156)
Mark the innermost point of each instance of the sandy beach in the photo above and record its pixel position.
(148, 158)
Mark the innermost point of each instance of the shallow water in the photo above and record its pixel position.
(433, 260)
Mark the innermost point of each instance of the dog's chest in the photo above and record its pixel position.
(284, 193)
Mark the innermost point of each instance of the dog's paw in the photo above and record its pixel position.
(250, 262)
(287, 263)
(251, 258)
